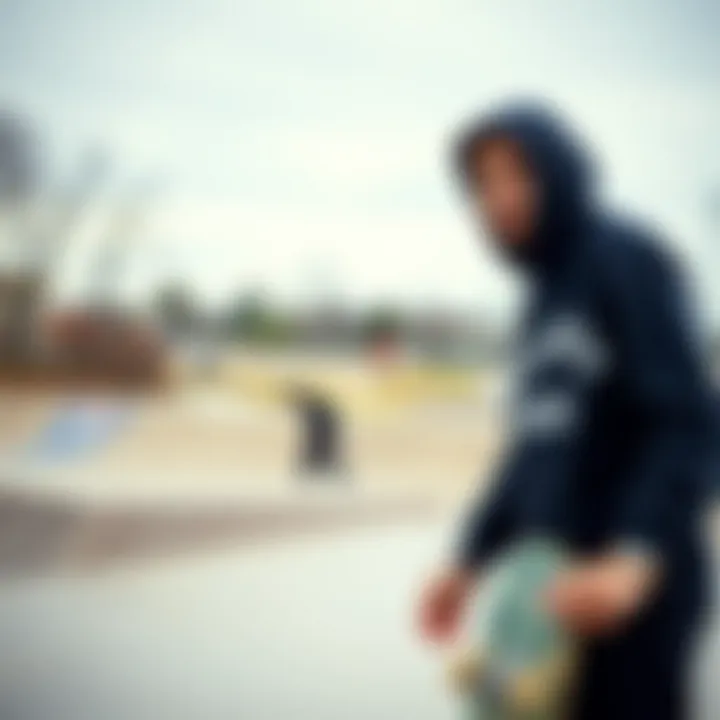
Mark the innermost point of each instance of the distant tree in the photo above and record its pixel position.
(20, 163)
(176, 309)
(382, 325)
(251, 318)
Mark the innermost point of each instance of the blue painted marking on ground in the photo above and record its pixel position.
(78, 428)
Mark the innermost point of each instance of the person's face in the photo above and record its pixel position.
(504, 191)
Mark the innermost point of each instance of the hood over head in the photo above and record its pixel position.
(559, 161)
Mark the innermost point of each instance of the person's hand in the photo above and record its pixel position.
(598, 597)
(442, 604)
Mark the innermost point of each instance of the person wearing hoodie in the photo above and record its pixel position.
(610, 427)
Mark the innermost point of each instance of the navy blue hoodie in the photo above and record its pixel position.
(610, 431)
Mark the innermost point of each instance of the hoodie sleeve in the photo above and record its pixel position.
(489, 524)
(529, 490)
(659, 362)
(547, 458)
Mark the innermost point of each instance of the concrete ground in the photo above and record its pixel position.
(317, 628)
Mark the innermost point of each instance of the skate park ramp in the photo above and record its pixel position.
(105, 444)
(55, 533)
(101, 482)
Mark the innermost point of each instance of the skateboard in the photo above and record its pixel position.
(519, 662)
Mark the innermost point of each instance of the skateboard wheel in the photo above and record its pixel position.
(465, 671)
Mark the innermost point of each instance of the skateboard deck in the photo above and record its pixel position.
(519, 661)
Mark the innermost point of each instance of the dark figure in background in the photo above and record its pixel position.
(320, 434)
(611, 428)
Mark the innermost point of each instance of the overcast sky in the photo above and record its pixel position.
(300, 145)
